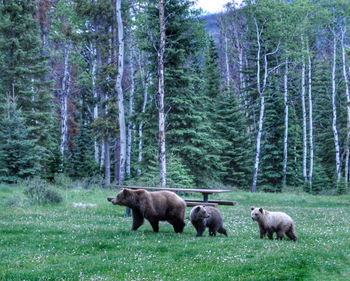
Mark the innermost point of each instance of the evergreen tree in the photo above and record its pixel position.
(237, 150)
(19, 157)
(23, 70)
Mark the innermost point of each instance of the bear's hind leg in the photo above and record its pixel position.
(177, 224)
(222, 230)
(212, 232)
(155, 225)
(137, 219)
(270, 234)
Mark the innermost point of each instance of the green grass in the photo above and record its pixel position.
(62, 242)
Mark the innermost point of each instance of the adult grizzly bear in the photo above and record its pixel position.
(154, 206)
(270, 222)
(206, 216)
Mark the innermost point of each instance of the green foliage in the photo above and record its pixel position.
(272, 142)
(38, 192)
(19, 155)
(23, 73)
(236, 154)
(178, 175)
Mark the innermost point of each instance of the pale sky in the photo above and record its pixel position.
(213, 6)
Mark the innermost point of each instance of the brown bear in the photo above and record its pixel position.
(207, 216)
(270, 222)
(154, 206)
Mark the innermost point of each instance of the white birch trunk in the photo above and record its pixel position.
(261, 93)
(334, 119)
(311, 167)
(303, 108)
(119, 91)
(102, 161)
(346, 79)
(227, 65)
(95, 95)
(286, 116)
(107, 162)
(161, 121)
(64, 100)
(131, 105)
(145, 100)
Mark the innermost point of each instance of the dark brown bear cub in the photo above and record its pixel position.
(154, 206)
(206, 216)
(270, 222)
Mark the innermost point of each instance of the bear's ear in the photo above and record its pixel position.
(261, 210)
(197, 208)
(126, 191)
(252, 208)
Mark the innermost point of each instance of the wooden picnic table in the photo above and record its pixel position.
(205, 192)
(189, 202)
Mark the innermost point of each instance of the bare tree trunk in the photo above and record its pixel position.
(286, 116)
(131, 105)
(107, 162)
(345, 74)
(310, 123)
(145, 100)
(119, 91)
(303, 107)
(116, 159)
(161, 152)
(261, 92)
(95, 95)
(102, 161)
(334, 106)
(64, 99)
(227, 65)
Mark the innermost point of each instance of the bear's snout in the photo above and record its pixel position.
(110, 198)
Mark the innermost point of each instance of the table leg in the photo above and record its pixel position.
(205, 197)
(127, 212)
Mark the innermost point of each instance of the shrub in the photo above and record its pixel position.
(64, 181)
(38, 192)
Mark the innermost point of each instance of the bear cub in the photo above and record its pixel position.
(206, 216)
(154, 206)
(270, 222)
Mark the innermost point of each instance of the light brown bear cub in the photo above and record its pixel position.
(206, 216)
(154, 206)
(270, 222)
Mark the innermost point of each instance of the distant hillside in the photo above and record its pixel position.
(211, 25)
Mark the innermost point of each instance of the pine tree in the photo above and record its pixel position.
(19, 157)
(237, 150)
(23, 70)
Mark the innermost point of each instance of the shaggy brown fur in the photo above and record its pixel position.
(270, 222)
(206, 216)
(154, 206)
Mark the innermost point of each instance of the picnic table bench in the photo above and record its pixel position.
(190, 202)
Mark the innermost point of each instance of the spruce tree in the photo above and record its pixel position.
(23, 70)
(237, 150)
(19, 157)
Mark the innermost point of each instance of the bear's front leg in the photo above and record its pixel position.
(200, 229)
(137, 218)
(280, 234)
(262, 232)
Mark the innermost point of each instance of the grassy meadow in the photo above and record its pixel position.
(69, 241)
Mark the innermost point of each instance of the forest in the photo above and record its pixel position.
(156, 93)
